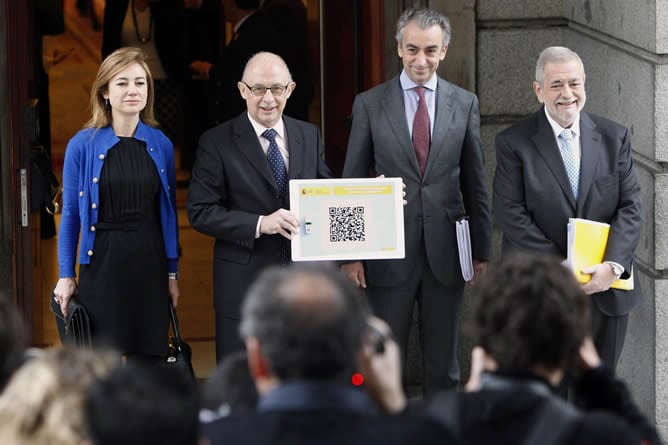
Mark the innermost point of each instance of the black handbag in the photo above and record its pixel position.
(179, 356)
(75, 328)
(45, 189)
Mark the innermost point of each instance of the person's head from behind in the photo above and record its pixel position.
(423, 36)
(43, 401)
(560, 84)
(229, 389)
(12, 340)
(138, 404)
(122, 87)
(266, 86)
(531, 314)
(303, 322)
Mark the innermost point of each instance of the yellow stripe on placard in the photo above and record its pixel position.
(315, 191)
(343, 190)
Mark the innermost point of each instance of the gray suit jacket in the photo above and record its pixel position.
(533, 199)
(454, 184)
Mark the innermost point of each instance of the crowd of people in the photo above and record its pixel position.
(320, 368)
(316, 353)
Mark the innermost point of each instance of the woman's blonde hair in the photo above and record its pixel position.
(113, 64)
(43, 401)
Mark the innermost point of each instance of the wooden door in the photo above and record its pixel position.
(353, 55)
(23, 128)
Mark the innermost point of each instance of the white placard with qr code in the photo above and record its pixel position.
(348, 219)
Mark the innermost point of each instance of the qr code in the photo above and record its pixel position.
(346, 224)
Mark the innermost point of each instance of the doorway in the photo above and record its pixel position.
(71, 60)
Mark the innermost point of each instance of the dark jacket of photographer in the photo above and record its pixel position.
(608, 415)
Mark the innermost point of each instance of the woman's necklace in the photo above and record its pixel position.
(150, 25)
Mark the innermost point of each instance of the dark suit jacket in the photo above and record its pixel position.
(533, 199)
(231, 186)
(453, 185)
(170, 40)
(505, 416)
(323, 413)
(259, 32)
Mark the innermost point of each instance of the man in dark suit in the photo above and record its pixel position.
(561, 163)
(425, 130)
(306, 329)
(238, 192)
(257, 29)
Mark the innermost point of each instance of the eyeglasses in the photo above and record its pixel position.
(259, 90)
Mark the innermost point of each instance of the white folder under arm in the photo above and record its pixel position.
(464, 247)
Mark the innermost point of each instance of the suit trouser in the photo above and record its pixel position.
(228, 339)
(439, 315)
(609, 333)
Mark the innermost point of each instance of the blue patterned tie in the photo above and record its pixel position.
(276, 161)
(277, 166)
(570, 158)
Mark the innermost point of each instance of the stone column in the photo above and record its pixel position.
(623, 46)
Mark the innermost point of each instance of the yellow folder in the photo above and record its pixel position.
(587, 241)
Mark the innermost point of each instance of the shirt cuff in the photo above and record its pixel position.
(257, 228)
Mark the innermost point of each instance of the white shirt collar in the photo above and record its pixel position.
(557, 129)
(259, 128)
(407, 83)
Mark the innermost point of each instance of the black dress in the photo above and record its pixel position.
(124, 288)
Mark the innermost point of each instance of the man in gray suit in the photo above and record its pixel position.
(561, 163)
(425, 130)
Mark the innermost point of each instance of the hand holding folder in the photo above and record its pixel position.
(587, 241)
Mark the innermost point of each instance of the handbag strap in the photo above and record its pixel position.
(175, 324)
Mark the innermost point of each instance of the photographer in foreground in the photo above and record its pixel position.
(533, 323)
(307, 331)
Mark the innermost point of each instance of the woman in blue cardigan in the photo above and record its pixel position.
(119, 197)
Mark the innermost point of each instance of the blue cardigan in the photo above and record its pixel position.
(84, 158)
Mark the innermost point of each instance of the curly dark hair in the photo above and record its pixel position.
(530, 311)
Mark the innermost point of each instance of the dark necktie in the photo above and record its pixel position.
(275, 160)
(277, 166)
(421, 132)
